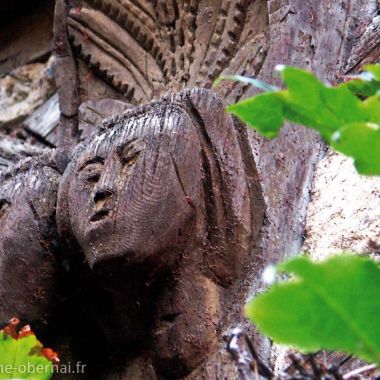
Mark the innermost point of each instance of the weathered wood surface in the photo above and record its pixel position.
(166, 205)
(23, 91)
(319, 36)
(92, 113)
(43, 122)
(135, 51)
(13, 150)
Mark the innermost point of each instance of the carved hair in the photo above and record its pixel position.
(233, 202)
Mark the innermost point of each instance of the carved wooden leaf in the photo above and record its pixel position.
(143, 48)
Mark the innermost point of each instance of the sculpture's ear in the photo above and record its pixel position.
(234, 201)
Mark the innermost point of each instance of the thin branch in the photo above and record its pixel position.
(358, 371)
(316, 369)
(243, 361)
(264, 370)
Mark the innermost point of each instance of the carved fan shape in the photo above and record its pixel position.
(141, 48)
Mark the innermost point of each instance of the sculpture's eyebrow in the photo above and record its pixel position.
(95, 160)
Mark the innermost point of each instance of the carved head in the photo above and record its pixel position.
(28, 194)
(159, 180)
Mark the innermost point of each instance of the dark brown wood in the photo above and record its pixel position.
(92, 113)
(28, 240)
(364, 41)
(167, 191)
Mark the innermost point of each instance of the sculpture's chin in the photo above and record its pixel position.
(97, 256)
(99, 229)
(113, 261)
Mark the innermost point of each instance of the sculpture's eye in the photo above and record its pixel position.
(92, 176)
(90, 172)
(4, 206)
(130, 152)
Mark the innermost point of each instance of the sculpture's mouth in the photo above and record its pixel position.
(103, 207)
(100, 215)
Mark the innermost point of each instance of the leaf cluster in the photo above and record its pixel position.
(347, 116)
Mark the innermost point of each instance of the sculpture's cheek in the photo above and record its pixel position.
(79, 196)
(152, 212)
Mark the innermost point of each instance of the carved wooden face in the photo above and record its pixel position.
(27, 265)
(132, 190)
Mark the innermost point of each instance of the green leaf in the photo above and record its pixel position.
(306, 101)
(333, 305)
(363, 87)
(329, 110)
(263, 112)
(374, 70)
(367, 83)
(361, 141)
(371, 106)
(22, 357)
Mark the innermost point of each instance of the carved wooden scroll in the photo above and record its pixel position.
(135, 50)
(165, 203)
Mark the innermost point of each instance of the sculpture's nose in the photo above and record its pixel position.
(104, 189)
(104, 194)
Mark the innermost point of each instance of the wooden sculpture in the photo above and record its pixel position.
(164, 202)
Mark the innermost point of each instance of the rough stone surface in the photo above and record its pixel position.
(344, 213)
